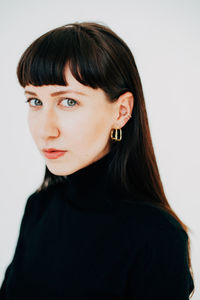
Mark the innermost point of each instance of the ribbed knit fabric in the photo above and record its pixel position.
(80, 239)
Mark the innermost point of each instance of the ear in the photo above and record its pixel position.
(123, 109)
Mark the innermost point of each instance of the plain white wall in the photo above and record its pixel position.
(165, 39)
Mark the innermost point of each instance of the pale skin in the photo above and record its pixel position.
(79, 120)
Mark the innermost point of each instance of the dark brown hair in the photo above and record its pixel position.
(99, 58)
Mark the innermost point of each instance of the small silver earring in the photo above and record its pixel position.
(129, 116)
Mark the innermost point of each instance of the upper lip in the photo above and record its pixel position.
(53, 150)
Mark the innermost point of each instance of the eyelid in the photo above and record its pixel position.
(68, 98)
(31, 98)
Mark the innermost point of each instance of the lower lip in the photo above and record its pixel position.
(54, 155)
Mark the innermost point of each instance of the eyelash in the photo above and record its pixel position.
(32, 106)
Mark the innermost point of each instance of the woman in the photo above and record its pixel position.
(99, 226)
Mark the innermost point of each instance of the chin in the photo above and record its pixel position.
(59, 171)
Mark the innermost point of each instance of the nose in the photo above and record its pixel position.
(49, 125)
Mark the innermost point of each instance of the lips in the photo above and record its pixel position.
(53, 153)
(50, 150)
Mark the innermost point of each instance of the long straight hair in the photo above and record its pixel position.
(99, 58)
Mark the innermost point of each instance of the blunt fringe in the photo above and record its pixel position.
(99, 58)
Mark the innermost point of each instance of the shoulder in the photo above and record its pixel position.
(154, 235)
(45, 194)
(148, 219)
(158, 257)
(39, 200)
(36, 204)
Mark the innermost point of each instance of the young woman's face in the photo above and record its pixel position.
(74, 118)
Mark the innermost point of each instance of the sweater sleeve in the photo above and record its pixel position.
(26, 214)
(160, 269)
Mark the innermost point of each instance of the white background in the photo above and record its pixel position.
(164, 37)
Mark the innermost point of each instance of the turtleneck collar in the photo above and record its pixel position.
(92, 188)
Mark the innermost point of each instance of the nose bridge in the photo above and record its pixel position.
(50, 124)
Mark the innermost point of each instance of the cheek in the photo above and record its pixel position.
(87, 130)
(33, 125)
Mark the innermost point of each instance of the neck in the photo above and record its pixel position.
(92, 188)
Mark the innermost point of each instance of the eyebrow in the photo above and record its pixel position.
(57, 93)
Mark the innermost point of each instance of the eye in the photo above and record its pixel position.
(70, 102)
(32, 100)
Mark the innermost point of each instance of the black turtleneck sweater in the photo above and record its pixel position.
(80, 239)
